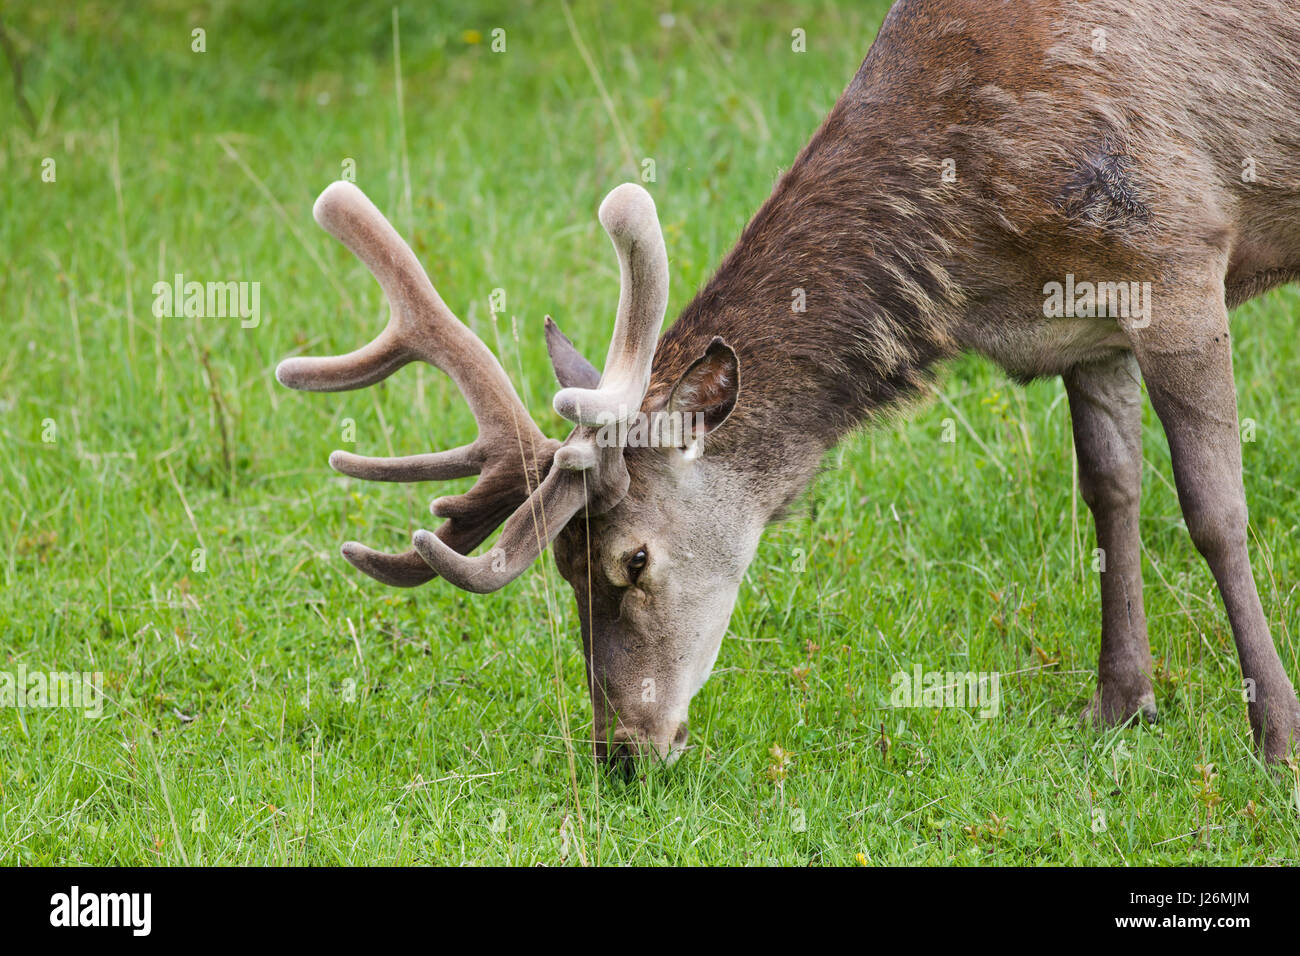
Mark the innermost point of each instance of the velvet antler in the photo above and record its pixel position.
(531, 482)
(510, 453)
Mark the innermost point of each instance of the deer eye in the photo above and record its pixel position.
(636, 564)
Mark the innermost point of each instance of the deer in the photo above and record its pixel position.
(984, 158)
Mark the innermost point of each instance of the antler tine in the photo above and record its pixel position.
(527, 532)
(437, 466)
(405, 570)
(510, 454)
(421, 326)
(628, 215)
(464, 531)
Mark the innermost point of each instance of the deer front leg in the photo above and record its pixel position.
(1187, 364)
(1106, 414)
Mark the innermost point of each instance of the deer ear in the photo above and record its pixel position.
(706, 392)
(571, 369)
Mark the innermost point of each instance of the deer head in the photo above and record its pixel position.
(651, 534)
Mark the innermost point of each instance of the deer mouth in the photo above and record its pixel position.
(628, 747)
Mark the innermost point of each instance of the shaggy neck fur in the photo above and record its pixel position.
(858, 239)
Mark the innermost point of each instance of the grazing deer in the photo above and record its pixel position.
(992, 179)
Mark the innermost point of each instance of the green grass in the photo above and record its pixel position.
(277, 707)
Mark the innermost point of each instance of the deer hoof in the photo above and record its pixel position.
(1112, 706)
(1278, 739)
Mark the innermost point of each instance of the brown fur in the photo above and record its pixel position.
(1120, 164)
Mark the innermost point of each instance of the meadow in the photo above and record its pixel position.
(169, 519)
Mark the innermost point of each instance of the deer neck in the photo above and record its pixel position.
(838, 298)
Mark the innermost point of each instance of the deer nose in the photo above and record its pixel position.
(621, 754)
(626, 744)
